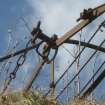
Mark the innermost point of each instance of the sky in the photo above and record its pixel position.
(57, 17)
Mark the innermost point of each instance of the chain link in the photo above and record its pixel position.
(20, 62)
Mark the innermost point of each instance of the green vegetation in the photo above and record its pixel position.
(36, 98)
(31, 98)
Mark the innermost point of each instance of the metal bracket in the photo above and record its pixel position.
(86, 14)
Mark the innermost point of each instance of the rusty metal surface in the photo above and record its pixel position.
(34, 75)
(97, 12)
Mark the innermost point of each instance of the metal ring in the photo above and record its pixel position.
(56, 51)
(12, 75)
(19, 59)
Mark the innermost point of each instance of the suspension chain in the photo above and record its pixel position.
(20, 62)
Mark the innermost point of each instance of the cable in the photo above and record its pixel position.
(68, 51)
(78, 64)
(20, 62)
(76, 57)
(78, 72)
(94, 85)
(68, 41)
(92, 77)
(8, 51)
(19, 52)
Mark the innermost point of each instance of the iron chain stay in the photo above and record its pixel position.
(20, 62)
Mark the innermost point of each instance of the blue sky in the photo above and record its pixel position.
(10, 11)
(57, 17)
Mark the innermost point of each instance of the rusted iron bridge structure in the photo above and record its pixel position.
(53, 43)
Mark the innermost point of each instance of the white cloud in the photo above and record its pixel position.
(59, 16)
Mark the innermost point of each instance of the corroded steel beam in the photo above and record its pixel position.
(92, 46)
(96, 13)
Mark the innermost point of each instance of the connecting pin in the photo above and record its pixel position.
(86, 14)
